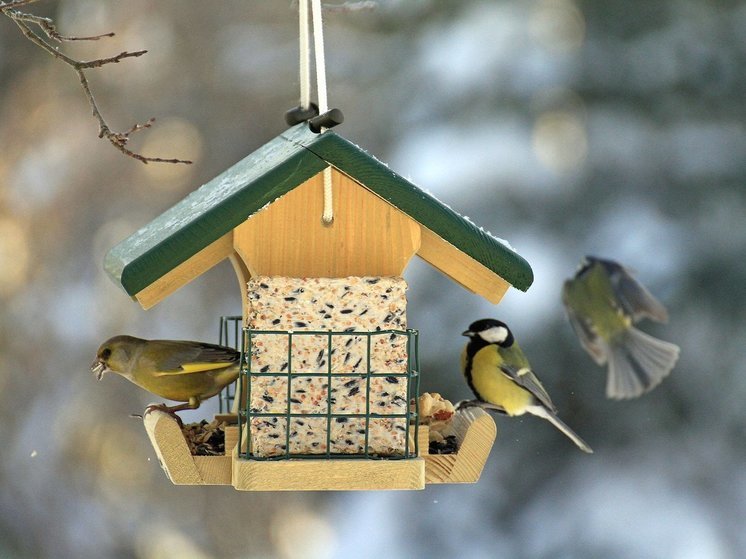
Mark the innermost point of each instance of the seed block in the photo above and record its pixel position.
(327, 376)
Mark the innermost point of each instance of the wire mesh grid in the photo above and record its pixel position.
(286, 421)
(230, 336)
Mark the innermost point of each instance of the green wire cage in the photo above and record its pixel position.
(332, 409)
(351, 408)
(230, 336)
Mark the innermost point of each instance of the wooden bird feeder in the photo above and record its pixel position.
(264, 215)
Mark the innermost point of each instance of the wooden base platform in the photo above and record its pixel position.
(326, 475)
(475, 432)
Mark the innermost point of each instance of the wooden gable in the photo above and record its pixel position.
(368, 236)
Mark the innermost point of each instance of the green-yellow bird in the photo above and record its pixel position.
(602, 302)
(176, 370)
(500, 375)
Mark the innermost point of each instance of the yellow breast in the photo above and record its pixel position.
(182, 386)
(494, 386)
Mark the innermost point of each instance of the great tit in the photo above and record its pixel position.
(177, 370)
(500, 376)
(602, 302)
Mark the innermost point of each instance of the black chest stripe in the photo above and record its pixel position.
(471, 350)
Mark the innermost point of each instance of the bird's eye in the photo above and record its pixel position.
(106, 353)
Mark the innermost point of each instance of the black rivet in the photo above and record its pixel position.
(296, 115)
(329, 119)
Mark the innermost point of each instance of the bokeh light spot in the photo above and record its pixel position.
(299, 533)
(558, 25)
(176, 138)
(560, 140)
(14, 256)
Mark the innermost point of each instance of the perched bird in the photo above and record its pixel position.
(177, 370)
(602, 302)
(500, 376)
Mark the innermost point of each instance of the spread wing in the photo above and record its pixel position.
(525, 378)
(634, 298)
(180, 357)
(588, 338)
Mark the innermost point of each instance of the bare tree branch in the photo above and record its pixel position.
(16, 3)
(48, 26)
(25, 20)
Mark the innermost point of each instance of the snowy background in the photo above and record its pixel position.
(567, 127)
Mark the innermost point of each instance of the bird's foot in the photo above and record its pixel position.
(465, 404)
(165, 409)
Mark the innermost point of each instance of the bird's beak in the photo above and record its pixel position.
(98, 368)
(468, 333)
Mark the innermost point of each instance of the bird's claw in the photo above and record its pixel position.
(465, 404)
(165, 409)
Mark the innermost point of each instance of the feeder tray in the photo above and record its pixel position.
(475, 432)
(172, 450)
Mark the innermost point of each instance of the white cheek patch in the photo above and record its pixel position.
(494, 335)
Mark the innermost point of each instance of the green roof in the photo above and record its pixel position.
(273, 170)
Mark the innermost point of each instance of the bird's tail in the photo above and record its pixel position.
(541, 411)
(637, 363)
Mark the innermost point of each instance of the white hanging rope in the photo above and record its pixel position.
(318, 43)
(327, 216)
(305, 55)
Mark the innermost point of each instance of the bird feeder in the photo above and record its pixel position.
(330, 365)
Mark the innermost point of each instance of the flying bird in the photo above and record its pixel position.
(602, 302)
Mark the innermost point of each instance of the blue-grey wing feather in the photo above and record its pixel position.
(633, 297)
(525, 378)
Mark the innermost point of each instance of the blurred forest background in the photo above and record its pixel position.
(567, 127)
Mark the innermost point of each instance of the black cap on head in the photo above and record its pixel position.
(490, 331)
(485, 324)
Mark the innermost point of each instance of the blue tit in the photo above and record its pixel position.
(602, 302)
(177, 370)
(500, 376)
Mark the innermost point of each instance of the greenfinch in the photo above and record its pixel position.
(183, 371)
(501, 378)
(602, 303)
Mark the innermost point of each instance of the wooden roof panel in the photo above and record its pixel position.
(279, 166)
(424, 208)
(209, 212)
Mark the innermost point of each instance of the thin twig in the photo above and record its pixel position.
(118, 139)
(48, 26)
(15, 3)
